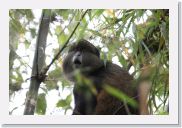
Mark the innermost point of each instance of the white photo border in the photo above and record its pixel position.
(172, 118)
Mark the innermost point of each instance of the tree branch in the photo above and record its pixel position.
(44, 71)
(38, 62)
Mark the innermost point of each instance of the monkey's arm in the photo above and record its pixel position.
(85, 102)
(79, 102)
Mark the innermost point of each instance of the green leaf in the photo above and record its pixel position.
(122, 61)
(16, 25)
(33, 32)
(55, 73)
(97, 13)
(41, 104)
(96, 33)
(134, 28)
(126, 17)
(69, 98)
(64, 13)
(82, 29)
(61, 103)
(146, 48)
(121, 96)
(27, 44)
(163, 30)
(62, 38)
(51, 84)
(58, 30)
(26, 12)
(90, 15)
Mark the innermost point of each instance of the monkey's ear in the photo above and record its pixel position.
(98, 50)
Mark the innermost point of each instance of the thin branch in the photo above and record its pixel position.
(44, 71)
(10, 113)
(21, 59)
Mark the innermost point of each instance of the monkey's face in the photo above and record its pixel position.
(82, 56)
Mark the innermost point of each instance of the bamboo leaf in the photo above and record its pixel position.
(121, 96)
(61, 103)
(41, 104)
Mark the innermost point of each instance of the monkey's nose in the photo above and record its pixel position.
(77, 61)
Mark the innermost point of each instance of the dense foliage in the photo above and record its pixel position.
(137, 40)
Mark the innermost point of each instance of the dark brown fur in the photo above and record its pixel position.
(100, 74)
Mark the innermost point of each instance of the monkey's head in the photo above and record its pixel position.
(82, 56)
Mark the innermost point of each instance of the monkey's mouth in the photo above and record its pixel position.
(77, 64)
